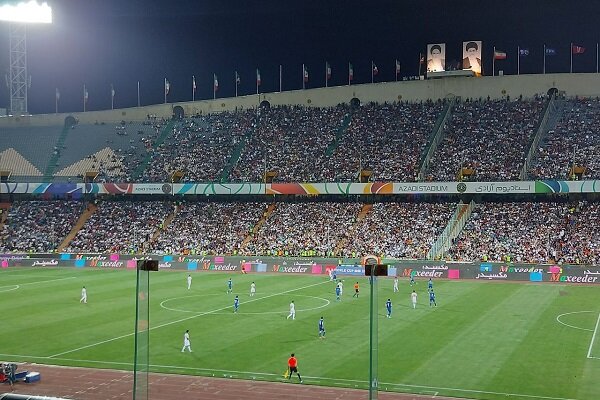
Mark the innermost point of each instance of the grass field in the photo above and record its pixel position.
(484, 340)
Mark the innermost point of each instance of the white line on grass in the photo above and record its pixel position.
(49, 280)
(335, 381)
(327, 302)
(181, 320)
(572, 326)
(589, 354)
(18, 286)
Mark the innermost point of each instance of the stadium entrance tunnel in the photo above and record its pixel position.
(355, 103)
(265, 105)
(552, 92)
(70, 121)
(178, 112)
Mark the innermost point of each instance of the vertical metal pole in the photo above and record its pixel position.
(373, 337)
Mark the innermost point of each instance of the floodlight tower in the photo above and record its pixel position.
(19, 14)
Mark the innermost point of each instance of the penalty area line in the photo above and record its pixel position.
(589, 354)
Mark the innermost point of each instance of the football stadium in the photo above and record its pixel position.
(426, 235)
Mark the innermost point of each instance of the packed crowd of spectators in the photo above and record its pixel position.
(398, 230)
(579, 238)
(209, 228)
(489, 137)
(537, 232)
(520, 232)
(387, 139)
(120, 226)
(290, 140)
(304, 229)
(575, 141)
(38, 226)
(200, 147)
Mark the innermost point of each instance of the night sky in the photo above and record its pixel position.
(122, 42)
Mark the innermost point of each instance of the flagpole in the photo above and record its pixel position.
(494, 62)
(56, 101)
(518, 60)
(326, 80)
(165, 90)
(596, 57)
(349, 66)
(236, 84)
(214, 86)
(281, 78)
(372, 71)
(84, 97)
(193, 88)
(257, 81)
(138, 93)
(112, 97)
(571, 52)
(544, 70)
(303, 83)
(420, 65)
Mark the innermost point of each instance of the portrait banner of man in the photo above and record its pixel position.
(436, 57)
(472, 56)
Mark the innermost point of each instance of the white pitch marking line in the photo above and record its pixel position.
(572, 326)
(327, 302)
(180, 320)
(49, 280)
(589, 354)
(336, 381)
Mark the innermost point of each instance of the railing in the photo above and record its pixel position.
(434, 141)
(455, 225)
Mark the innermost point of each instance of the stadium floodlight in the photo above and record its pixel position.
(18, 14)
(26, 12)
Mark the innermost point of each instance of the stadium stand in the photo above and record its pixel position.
(475, 146)
(387, 139)
(208, 228)
(120, 226)
(38, 226)
(398, 230)
(521, 232)
(303, 229)
(16, 165)
(114, 151)
(23, 155)
(579, 238)
(291, 141)
(200, 147)
(572, 149)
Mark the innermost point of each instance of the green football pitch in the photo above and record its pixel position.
(484, 340)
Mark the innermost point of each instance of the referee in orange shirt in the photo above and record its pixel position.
(355, 290)
(293, 367)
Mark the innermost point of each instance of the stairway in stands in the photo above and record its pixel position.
(339, 134)
(53, 162)
(83, 218)
(366, 209)
(258, 225)
(164, 134)
(165, 224)
(454, 227)
(5, 207)
(238, 150)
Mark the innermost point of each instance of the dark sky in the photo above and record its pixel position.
(122, 42)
